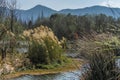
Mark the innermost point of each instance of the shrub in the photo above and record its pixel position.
(46, 52)
(38, 53)
(87, 46)
(102, 66)
(54, 49)
(44, 66)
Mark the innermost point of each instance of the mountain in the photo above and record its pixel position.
(115, 12)
(34, 13)
(39, 10)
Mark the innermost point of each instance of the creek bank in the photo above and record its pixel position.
(74, 65)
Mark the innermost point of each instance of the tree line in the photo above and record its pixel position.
(73, 27)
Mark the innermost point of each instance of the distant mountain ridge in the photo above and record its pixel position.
(39, 10)
(115, 12)
(35, 12)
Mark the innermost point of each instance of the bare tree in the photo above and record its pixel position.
(12, 5)
(4, 31)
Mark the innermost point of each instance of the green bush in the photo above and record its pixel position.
(38, 54)
(54, 49)
(43, 66)
(48, 66)
(46, 53)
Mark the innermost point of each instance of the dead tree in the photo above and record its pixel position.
(12, 5)
(3, 45)
(4, 51)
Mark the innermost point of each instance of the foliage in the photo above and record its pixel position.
(48, 66)
(68, 25)
(100, 52)
(102, 66)
(87, 46)
(38, 54)
(48, 52)
(54, 49)
(113, 43)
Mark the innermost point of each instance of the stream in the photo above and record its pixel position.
(75, 75)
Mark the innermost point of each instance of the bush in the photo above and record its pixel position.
(54, 49)
(87, 46)
(102, 66)
(49, 66)
(46, 52)
(38, 54)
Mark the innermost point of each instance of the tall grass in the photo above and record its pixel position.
(102, 65)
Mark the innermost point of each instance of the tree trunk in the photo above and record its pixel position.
(11, 22)
(3, 54)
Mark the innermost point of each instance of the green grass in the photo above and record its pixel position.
(118, 57)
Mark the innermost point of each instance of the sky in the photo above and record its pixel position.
(65, 4)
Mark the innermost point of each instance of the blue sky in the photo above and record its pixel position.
(63, 4)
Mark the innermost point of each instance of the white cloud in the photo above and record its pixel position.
(111, 3)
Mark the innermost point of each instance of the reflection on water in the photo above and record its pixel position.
(61, 76)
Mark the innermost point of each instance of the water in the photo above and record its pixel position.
(75, 75)
(22, 50)
(118, 62)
